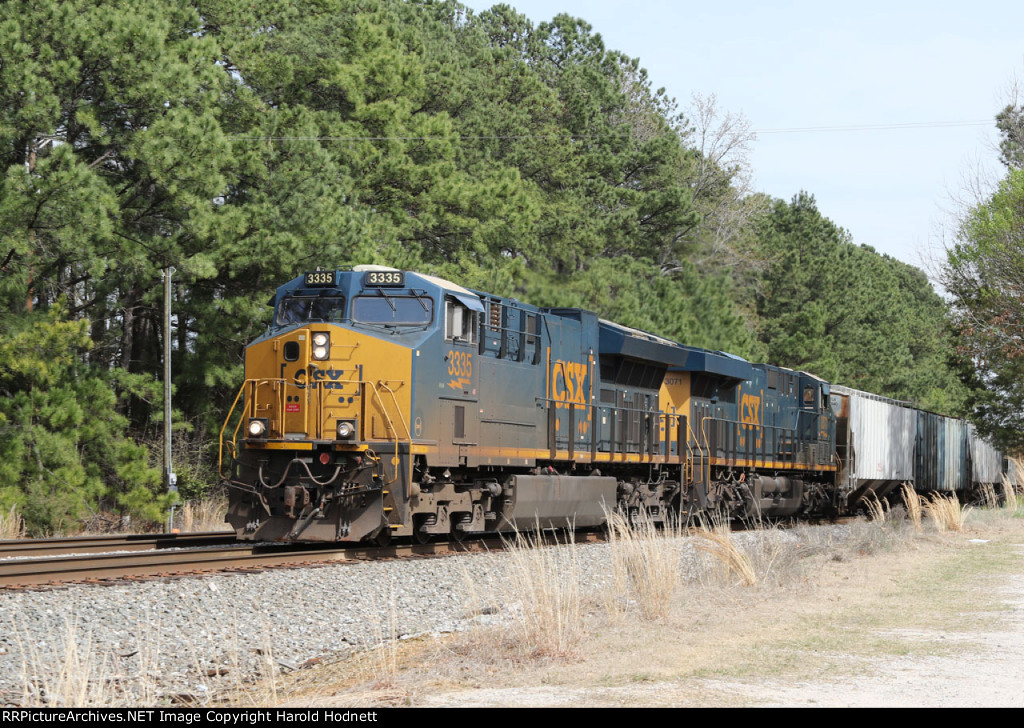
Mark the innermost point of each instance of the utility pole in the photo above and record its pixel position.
(170, 479)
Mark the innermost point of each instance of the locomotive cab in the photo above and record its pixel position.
(361, 410)
(321, 434)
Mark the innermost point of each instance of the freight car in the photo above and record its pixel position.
(882, 443)
(385, 403)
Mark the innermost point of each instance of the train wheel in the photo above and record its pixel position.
(422, 537)
(457, 520)
(420, 523)
(383, 537)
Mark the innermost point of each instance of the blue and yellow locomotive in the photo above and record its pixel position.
(388, 403)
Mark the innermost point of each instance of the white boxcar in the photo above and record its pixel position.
(882, 435)
(986, 461)
(875, 440)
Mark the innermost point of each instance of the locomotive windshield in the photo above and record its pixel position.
(393, 310)
(299, 309)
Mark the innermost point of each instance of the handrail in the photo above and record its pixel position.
(383, 385)
(794, 431)
(220, 444)
(576, 406)
(689, 450)
(707, 449)
(318, 404)
(231, 411)
(673, 418)
(391, 426)
(671, 424)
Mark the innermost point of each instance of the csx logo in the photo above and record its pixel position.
(328, 379)
(750, 410)
(568, 383)
(750, 416)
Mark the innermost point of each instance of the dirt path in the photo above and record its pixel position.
(987, 669)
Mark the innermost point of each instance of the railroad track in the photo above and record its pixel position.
(101, 544)
(105, 568)
(43, 563)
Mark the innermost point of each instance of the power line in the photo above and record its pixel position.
(875, 127)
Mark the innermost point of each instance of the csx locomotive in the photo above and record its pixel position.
(386, 403)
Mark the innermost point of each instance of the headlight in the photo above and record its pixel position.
(257, 427)
(346, 430)
(321, 345)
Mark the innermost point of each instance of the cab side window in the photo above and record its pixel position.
(460, 324)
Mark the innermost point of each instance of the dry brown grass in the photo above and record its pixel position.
(203, 515)
(384, 653)
(70, 669)
(989, 497)
(1011, 495)
(877, 509)
(1013, 487)
(711, 630)
(12, 526)
(946, 513)
(67, 672)
(719, 544)
(645, 563)
(912, 502)
(546, 589)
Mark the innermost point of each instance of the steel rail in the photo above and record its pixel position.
(100, 544)
(109, 568)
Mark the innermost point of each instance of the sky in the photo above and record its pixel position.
(925, 78)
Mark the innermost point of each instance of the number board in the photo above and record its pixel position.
(384, 278)
(320, 279)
